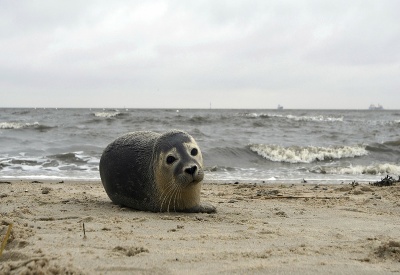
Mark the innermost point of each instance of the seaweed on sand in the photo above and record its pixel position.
(386, 181)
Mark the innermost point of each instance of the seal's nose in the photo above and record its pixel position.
(191, 170)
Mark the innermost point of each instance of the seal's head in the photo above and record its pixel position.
(178, 171)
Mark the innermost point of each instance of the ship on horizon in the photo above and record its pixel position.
(373, 107)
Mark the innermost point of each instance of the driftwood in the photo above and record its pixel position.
(4, 242)
(387, 181)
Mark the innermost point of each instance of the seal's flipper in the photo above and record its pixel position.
(202, 208)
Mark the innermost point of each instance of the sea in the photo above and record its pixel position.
(254, 146)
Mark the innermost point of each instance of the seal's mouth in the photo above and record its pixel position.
(191, 175)
(188, 181)
(194, 182)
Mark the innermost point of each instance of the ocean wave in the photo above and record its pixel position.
(196, 132)
(308, 154)
(18, 125)
(237, 155)
(74, 157)
(200, 119)
(252, 115)
(21, 125)
(218, 168)
(11, 125)
(393, 143)
(375, 169)
(317, 118)
(396, 121)
(106, 114)
(21, 112)
(17, 163)
(393, 123)
(58, 164)
(387, 147)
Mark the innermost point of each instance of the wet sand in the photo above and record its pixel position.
(72, 227)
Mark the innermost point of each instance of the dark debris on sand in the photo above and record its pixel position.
(387, 181)
(389, 250)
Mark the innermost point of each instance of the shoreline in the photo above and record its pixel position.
(271, 228)
(297, 181)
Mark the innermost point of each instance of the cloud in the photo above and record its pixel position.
(246, 52)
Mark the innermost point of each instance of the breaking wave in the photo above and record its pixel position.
(309, 154)
(108, 114)
(74, 157)
(78, 164)
(374, 169)
(317, 118)
(12, 125)
(21, 125)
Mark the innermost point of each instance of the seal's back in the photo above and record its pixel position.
(126, 170)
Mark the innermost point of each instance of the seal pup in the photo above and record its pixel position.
(154, 172)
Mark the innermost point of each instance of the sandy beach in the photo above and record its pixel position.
(71, 227)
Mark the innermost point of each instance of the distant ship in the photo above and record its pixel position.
(280, 107)
(373, 107)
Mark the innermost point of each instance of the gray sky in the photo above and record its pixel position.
(186, 54)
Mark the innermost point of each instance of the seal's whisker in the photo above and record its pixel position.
(178, 190)
(180, 198)
(168, 198)
(165, 199)
(167, 194)
(164, 195)
(174, 198)
(172, 195)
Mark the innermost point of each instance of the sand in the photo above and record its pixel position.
(73, 228)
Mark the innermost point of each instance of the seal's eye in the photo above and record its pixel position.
(194, 152)
(171, 159)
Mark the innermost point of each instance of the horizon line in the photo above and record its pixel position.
(196, 108)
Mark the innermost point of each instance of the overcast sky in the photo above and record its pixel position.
(186, 54)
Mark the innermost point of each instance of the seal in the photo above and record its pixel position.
(154, 172)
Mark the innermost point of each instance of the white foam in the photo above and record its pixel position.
(107, 114)
(297, 118)
(315, 118)
(12, 125)
(298, 154)
(375, 169)
(17, 125)
(252, 115)
(52, 177)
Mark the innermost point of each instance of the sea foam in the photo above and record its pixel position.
(20, 125)
(107, 114)
(17, 125)
(308, 154)
(373, 169)
(317, 118)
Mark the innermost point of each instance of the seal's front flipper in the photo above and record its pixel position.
(202, 208)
